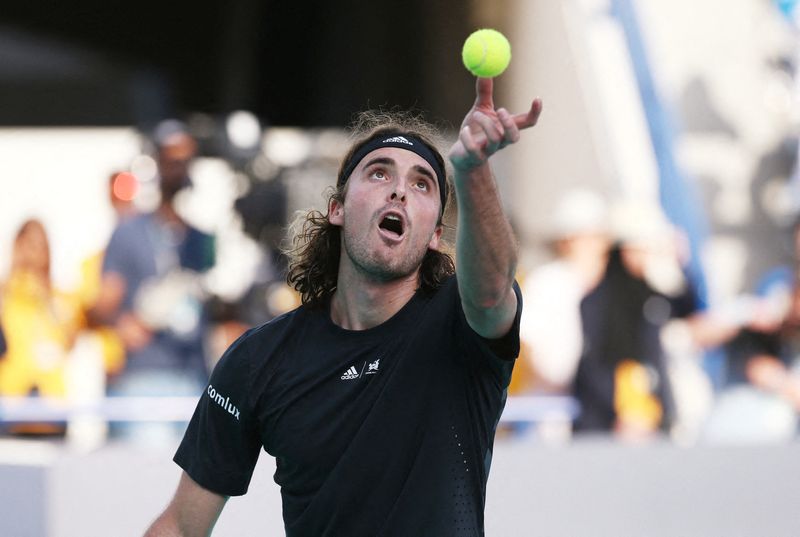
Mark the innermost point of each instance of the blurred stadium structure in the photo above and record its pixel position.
(692, 104)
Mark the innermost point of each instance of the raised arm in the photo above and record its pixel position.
(192, 512)
(486, 250)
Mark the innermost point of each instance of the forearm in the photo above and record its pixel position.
(486, 250)
(191, 513)
(164, 526)
(191, 523)
(710, 331)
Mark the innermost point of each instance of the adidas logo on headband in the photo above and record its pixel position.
(398, 140)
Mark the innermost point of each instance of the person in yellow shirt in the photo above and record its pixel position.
(39, 322)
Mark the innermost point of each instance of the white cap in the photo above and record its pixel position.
(639, 221)
(579, 211)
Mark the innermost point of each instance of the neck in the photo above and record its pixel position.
(167, 213)
(360, 303)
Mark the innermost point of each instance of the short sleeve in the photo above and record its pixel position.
(221, 445)
(496, 355)
(507, 347)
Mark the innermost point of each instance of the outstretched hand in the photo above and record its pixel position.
(486, 130)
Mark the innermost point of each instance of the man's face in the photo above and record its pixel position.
(390, 214)
(174, 158)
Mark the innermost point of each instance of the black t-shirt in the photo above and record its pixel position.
(379, 432)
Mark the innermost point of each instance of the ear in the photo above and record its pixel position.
(433, 244)
(335, 212)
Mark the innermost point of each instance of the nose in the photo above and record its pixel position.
(399, 192)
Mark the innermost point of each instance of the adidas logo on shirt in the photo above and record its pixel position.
(353, 373)
(350, 374)
(398, 140)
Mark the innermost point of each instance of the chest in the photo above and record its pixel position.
(322, 402)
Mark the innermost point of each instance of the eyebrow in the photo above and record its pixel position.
(390, 162)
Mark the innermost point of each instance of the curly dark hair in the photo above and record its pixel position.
(314, 245)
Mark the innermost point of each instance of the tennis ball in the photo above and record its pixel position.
(486, 53)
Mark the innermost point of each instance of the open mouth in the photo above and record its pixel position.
(392, 223)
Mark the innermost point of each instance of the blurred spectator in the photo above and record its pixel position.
(264, 212)
(150, 289)
(39, 323)
(122, 189)
(551, 323)
(623, 381)
(263, 209)
(761, 398)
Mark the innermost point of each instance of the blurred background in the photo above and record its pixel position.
(152, 155)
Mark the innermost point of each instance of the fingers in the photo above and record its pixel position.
(483, 93)
(479, 139)
(488, 134)
(469, 154)
(486, 130)
(470, 144)
(492, 132)
(510, 129)
(529, 118)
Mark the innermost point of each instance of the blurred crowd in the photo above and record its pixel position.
(615, 322)
(143, 321)
(612, 321)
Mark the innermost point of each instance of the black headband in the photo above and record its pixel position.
(402, 141)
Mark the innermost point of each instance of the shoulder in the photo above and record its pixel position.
(447, 300)
(133, 226)
(281, 323)
(448, 288)
(274, 327)
(260, 342)
(442, 300)
(136, 222)
(128, 246)
(253, 359)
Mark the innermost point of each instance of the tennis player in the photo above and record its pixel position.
(379, 396)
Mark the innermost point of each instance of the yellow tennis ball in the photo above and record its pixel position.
(486, 53)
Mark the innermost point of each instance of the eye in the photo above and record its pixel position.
(422, 185)
(378, 174)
